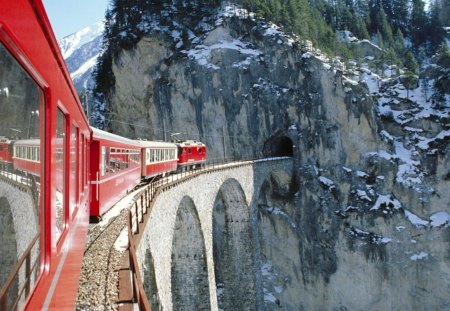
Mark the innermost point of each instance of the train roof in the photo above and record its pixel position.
(190, 143)
(100, 134)
(28, 142)
(156, 144)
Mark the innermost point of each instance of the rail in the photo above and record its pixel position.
(143, 202)
(29, 269)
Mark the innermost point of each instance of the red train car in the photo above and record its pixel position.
(6, 152)
(115, 169)
(191, 155)
(27, 156)
(46, 222)
(158, 158)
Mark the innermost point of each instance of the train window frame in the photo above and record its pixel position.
(63, 162)
(73, 169)
(19, 61)
(83, 165)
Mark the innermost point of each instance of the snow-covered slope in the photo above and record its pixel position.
(80, 50)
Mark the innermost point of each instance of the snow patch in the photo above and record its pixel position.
(440, 219)
(419, 256)
(415, 220)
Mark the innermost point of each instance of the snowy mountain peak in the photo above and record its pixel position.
(74, 41)
(80, 51)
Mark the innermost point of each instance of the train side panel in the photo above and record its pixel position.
(191, 154)
(6, 152)
(116, 170)
(158, 158)
(39, 101)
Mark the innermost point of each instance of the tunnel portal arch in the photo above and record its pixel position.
(189, 273)
(278, 146)
(232, 243)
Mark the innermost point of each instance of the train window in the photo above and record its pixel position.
(189, 150)
(60, 173)
(21, 99)
(85, 152)
(73, 168)
(152, 153)
(103, 162)
(82, 164)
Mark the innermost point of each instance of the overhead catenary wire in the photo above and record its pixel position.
(190, 135)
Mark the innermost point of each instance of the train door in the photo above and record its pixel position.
(95, 175)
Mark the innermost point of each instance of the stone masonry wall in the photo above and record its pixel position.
(202, 190)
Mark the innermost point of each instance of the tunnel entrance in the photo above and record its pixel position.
(280, 146)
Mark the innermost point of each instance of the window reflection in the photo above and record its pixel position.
(21, 102)
(73, 167)
(60, 172)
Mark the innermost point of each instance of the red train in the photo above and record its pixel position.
(6, 152)
(115, 169)
(65, 170)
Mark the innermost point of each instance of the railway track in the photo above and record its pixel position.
(98, 285)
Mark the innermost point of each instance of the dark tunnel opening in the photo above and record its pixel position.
(278, 147)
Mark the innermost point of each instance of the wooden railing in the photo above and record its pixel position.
(29, 269)
(139, 295)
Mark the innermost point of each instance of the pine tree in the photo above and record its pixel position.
(436, 28)
(410, 62)
(385, 28)
(443, 56)
(418, 23)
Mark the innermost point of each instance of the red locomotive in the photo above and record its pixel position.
(68, 170)
(191, 154)
(6, 152)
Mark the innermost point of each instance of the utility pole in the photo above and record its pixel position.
(87, 105)
(223, 140)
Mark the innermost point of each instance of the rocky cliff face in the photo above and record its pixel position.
(365, 223)
(233, 86)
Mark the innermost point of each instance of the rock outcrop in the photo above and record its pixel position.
(364, 224)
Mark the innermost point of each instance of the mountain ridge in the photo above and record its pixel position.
(81, 51)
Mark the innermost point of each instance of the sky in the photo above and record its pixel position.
(70, 16)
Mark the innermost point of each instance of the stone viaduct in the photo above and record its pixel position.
(199, 249)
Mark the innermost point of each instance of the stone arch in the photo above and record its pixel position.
(277, 242)
(189, 273)
(24, 224)
(150, 286)
(278, 146)
(8, 248)
(234, 264)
